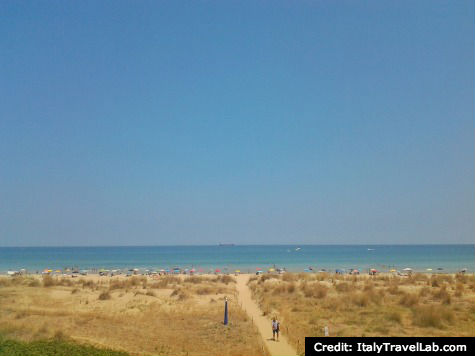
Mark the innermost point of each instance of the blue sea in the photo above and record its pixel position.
(448, 258)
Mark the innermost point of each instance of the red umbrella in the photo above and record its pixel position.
(217, 270)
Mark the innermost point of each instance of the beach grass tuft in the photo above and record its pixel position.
(105, 295)
(362, 305)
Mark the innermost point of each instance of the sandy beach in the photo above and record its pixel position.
(172, 315)
(183, 315)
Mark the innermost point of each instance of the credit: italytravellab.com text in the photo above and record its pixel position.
(314, 345)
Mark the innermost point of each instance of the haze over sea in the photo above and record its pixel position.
(247, 258)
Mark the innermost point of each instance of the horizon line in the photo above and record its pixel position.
(234, 244)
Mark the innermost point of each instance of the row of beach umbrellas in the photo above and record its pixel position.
(259, 270)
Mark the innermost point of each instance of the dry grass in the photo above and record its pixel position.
(409, 299)
(104, 296)
(314, 290)
(432, 316)
(443, 295)
(171, 316)
(419, 305)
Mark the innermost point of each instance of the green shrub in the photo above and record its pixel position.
(55, 347)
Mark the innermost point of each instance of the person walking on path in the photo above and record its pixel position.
(275, 329)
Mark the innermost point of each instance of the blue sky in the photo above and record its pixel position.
(153, 122)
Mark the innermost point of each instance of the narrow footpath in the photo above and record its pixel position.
(280, 348)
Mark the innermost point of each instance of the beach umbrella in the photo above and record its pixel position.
(237, 271)
(271, 270)
(192, 270)
(217, 270)
(258, 268)
(226, 311)
(429, 269)
(407, 269)
(50, 270)
(393, 270)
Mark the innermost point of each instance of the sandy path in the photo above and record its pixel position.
(281, 348)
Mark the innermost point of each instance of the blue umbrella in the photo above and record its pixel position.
(226, 311)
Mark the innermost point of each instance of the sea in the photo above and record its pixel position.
(246, 258)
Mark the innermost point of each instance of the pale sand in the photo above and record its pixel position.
(263, 324)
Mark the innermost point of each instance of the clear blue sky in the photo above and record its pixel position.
(198, 122)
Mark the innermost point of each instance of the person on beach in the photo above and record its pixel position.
(275, 329)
